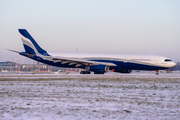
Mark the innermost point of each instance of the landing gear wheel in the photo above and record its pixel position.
(98, 72)
(157, 72)
(85, 72)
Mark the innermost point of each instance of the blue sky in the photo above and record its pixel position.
(92, 26)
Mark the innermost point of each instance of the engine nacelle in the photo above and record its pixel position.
(122, 70)
(99, 68)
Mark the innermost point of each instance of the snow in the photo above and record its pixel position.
(74, 96)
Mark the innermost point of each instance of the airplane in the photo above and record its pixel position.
(93, 62)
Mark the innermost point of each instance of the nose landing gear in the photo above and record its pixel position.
(157, 72)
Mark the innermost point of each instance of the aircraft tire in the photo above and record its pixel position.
(98, 72)
(85, 72)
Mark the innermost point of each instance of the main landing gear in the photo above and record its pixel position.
(98, 72)
(157, 72)
(88, 72)
(85, 72)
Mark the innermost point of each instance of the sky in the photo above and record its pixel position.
(92, 26)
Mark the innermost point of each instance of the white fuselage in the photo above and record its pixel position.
(151, 60)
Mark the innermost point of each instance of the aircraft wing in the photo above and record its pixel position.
(77, 62)
(70, 61)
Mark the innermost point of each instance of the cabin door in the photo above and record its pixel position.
(156, 61)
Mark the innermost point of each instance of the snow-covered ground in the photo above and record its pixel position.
(74, 96)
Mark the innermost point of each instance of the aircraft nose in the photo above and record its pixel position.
(173, 64)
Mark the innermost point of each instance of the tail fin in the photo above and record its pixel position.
(30, 44)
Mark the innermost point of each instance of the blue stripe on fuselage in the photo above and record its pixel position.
(131, 66)
(120, 64)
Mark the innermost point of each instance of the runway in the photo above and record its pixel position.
(74, 96)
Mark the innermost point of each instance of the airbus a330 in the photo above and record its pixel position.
(90, 62)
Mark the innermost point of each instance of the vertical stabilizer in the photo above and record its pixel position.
(30, 44)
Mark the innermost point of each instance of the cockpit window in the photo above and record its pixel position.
(167, 60)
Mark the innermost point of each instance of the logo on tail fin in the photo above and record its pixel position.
(30, 44)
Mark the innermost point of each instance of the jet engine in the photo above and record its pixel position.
(99, 69)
